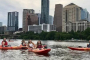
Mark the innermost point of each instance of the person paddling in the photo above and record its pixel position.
(23, 43)
(39, 45)
(31, 45)
(88, 45)
(4, 43)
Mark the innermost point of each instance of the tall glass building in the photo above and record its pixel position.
(85, 15)
(50, 19)
(0, 23)
(12, 24)
(44, 12)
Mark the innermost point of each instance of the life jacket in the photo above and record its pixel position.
(39, 46)
(88, 45)
(5, 42)
(31, 45)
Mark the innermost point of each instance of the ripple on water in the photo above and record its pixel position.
(59, 51)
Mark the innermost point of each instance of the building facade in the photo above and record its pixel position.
(48, 27)
(44, 12)
(35, 28)
(3, 29)
(12, 24)
(39, 17)
(74, 18)
(78, 26)
(29, 18)
(42, 27)
(71, 14)
(85, 15)
(58, 17)
(0, 23)
(50, 20)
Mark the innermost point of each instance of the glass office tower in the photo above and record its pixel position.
(12, 24)
(44, 12)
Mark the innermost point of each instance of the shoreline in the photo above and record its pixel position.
(54, 40)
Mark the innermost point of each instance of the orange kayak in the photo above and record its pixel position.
(79, 49)
(13, 48)
(43, 51)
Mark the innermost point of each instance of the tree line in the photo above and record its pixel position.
(53, 35)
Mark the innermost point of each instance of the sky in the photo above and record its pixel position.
(18, 5)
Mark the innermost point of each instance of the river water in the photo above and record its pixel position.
(59, 51)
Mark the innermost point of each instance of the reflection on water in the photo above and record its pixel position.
(59, 51)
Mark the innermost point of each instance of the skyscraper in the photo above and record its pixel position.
(50, 19)
(3, 29)
(71, 14)
(39, 17)
(0, 23)
(44, 11)
(85, 14)
(58, 17)
(12, 24)
(74, 18)
(29, 18)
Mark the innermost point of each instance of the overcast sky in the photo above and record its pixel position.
(19, 5)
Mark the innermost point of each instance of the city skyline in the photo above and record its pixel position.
(19, 5)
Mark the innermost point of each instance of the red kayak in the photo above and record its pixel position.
(13, 47)
(43, 51)
(79, 49)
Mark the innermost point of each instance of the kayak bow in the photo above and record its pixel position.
(13, 48)
(43, 51)
(79, 49)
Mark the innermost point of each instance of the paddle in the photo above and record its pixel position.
(81, 47)
(24, 47)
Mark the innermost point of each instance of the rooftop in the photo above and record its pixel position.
(71, 4)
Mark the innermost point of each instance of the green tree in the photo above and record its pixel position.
(57, 36)
(88, 38)
(87, 31)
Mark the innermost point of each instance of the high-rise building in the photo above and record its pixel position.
(29, 18)
(0, 23)
(50, 19)
(39, 17)
(74, 18)
(12, 24)
(85, 14)
(71, 14)
(58, 17)
(3, 29)
(44, 11)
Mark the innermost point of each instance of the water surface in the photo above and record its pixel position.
(59, 51)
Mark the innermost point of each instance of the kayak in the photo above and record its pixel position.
(13, 47)
(79, 49)
(43, 51)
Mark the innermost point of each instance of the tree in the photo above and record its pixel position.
(87, 31)
(88, 38)
(50, 35)
(57, 36)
